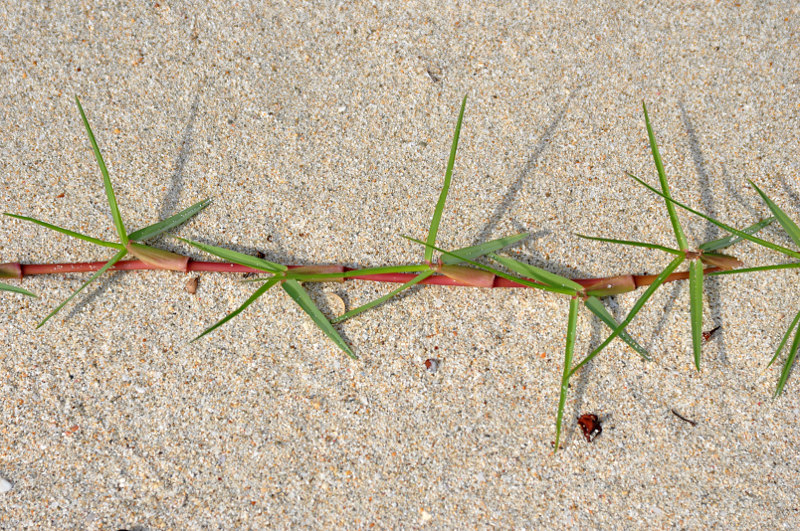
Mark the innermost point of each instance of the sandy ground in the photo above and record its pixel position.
(322, 133)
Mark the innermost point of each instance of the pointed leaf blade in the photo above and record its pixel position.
(154, 230)
(15, 289)
(112, 200)
(117, 257)
(68, 232)
(380, 300)
(786, 222)
(568, 354)
(785, 338)
(787, 366)
(596, 307)
(301, 297)
(743, 235)
(696, 308)
(632, 243)
(476, 251)
(662, 177)
(537, 273)
(437, 213)
(731, 239)
(256, 294)
(238, 258)
(640, 302)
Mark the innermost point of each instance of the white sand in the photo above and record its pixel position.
(322, 133)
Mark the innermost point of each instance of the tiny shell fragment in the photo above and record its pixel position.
(335, 303)
(191, 285)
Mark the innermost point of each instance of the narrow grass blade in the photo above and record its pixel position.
(437, 213)
(636, 308)
(154, 230)
(117, 257)
(568, 354)
(696, 308)
(15, 289)
(596, 307)
(301, 297)
(632, 243)
(737, 232)
(256, 294)
(238, 258)
(662, 177)
(787, 367)
(537, 273)
(380, 300)
(112, 200)
(729, 240)
(793, 265)
(483, 249)
(785, 338)
(524, 282)
(786, 222)
(68, 232)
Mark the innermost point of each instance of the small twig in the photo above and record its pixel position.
(692, 422)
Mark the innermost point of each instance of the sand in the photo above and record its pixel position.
(322, 133)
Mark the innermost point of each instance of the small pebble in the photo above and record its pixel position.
(432, 365)
(191, 285)
(5, 485)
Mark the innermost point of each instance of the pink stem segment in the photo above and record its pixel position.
(16, 270)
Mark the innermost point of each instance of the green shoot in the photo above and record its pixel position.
(538, 274)
(729, 240)
(696, 308)
(171, 222)
(117, 257)
(437, 212)
(256, 294)
(380, 300)
(632, 243)
(112, 200)
(787, 367)
(15, 289)
(301, 297)
(238, 258)
(662, 177)
(595, 305)
(786, 222)
(568, 354)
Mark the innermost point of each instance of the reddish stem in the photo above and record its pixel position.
(15, 270)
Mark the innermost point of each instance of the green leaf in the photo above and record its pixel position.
(793, 265)
(636, 307)
(154, 230)
(117, 257)
(696, 308)
(729, 240)
(238, 258)
(786, 222)
(536, 273)
(633, 243)
(737, 232)
(256, 294)
(568, 354)
(68, 232)
(301, 297)
(15, 289)
(112, 200)
(662, 177)
(483, 249)
(596, 307)
(524, 282)
(785, 338)
(437, 213)
(380, 300)
(787, 366)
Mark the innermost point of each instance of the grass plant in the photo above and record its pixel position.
(461, 267)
